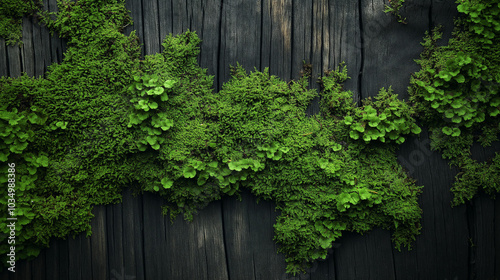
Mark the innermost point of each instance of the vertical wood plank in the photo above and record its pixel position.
(345, 41)
(210, 33)
(320, 42)
(75, 260)
(482, 223)
(240, 36)
(52, 257)
(98, 244)
(165, 16)
(23, 270)
(281, 39)
(238, 239)
(389, 48)
(481, 239)
(444, 229)
(14, 60)
(251, 251)
(114, 222)
(210, 231)
(57, 45)
(133, 247)
(301, 35)
(28, 54)
(442, 13)
(38, 266)
(156, 261)
(199, 242)
(179, 17)
(497, 236)
(151, 28)
(3, 58)
(79, 257)
(366, 256)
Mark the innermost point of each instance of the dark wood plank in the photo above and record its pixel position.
(320, 39)
(280, 23)
(482, 237)
(52, 256)
(324, 269)
(345, 41)
(301, 35)
(199, 242)
(237, 237)
(28, 54)
(156, 265)
(14, 60)
(389, 48)
(38, 267)
(248, 231)
(38, 51)
(240, 36)
(179, 16)
(114, 228)
(442, 13)
(482, 223)
(3, 59)
(210, 35)
(444, 229)
(262, 216)
(80, 257)
(75, 259)
(366, 256)
(151, 26)
(133, 258)
(164, 19)
(23, 270)
(497, 237)
(98, 242)
(209, 227)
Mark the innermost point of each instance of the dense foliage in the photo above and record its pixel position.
(104, 119)
(78, 116)
(457, 95)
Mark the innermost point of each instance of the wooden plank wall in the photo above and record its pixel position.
(232, 239)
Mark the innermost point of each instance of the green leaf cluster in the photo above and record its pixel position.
(456, 93)
(482, 18)
(149, 95)
(385, 119)
(18, 121)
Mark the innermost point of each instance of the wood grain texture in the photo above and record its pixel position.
(233, 239)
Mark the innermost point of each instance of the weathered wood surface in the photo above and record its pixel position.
(232, 239)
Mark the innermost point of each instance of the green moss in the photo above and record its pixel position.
(456, 93)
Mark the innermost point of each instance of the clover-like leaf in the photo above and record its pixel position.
(354, 134)
(153, 105)
(167, 183)
(189, 172)
(447, 130)
(348, 120)
(169, 83)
